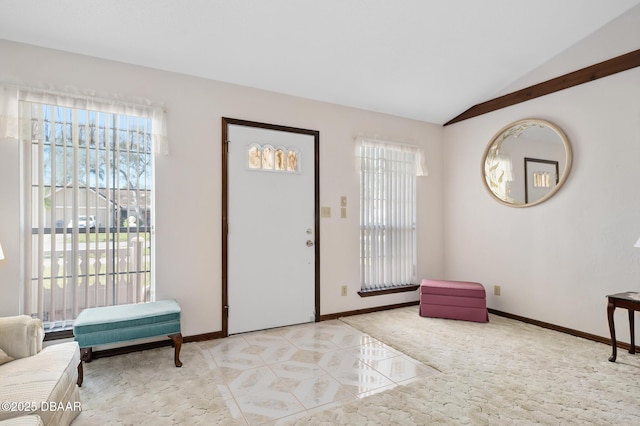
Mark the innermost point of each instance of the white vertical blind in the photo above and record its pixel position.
(388, 213)
(87, 209)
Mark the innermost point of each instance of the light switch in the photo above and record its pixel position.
(343, 201)
(325, 211)
(343, 212)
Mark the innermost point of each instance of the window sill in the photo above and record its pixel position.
(390, 290)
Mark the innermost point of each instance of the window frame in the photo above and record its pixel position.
(374, 154)
(136, 253)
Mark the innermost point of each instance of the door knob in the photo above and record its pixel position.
(309, 243)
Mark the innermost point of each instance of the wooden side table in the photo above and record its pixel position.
(629, 300)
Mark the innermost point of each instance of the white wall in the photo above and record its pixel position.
(618, 37)
(557, 261)
(188, 181)
(10, 288)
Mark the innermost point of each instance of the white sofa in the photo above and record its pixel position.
(36, 381)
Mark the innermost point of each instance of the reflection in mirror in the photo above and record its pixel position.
(526, 162)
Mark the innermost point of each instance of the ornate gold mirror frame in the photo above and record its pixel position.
(526, 163)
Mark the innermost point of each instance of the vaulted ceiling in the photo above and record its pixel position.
(428, 60)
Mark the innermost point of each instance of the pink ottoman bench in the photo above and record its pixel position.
(461, 300)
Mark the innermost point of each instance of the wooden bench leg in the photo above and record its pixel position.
(80, 374)
(86, 354)
(177, 343)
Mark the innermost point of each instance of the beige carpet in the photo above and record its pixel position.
(502, 372)
(145, 388)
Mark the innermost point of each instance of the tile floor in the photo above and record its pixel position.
(282, 374)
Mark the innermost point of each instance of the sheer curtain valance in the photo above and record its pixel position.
(418, 154)
(11, 95)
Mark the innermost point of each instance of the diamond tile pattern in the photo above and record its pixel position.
(280, 374)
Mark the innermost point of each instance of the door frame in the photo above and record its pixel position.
(226, 122)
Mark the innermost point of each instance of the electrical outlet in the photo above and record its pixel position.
(343, 290)
(496, 290)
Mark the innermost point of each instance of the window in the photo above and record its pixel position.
(87, 209)
(387, 214)
(267, 157)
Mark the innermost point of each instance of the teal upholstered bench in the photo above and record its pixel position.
(121, 323)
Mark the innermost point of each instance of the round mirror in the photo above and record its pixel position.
(526, 163)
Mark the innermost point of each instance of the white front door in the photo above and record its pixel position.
(271, 228)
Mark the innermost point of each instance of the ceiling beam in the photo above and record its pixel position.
(603, 69)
